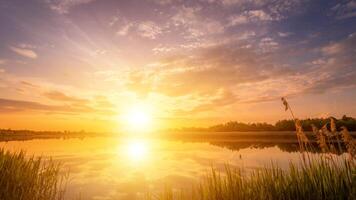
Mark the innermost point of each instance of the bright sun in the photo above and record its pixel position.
(138, 118)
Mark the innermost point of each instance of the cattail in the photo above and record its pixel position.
(285, 103)
(302, 138)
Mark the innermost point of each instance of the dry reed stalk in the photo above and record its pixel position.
(334, 132)
(301, 136)
(349, 142)
(320, 139)
(332, 125)
(329, 138)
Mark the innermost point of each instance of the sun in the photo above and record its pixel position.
(138, 118)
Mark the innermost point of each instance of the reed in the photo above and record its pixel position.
(31, 178)
(315, 177)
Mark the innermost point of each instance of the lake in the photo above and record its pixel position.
(122, 167)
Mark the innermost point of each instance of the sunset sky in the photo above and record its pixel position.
(82, 64)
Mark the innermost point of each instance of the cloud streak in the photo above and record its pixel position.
(25, 52)
(60, 96)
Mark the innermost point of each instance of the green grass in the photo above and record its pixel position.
(32, 178)
(315, 179)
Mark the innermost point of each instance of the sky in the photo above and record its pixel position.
(81, 64)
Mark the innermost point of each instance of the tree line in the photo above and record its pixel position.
(281, 125)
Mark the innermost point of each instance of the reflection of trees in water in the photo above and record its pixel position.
(284, 146)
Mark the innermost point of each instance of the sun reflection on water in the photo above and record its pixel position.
(137, 150)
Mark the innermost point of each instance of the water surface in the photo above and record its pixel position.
(121, 168)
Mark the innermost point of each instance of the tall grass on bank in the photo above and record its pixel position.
(319, 179)
(314, 178)
(32, 178)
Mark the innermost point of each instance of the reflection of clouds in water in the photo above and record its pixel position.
(138, 184)
(103, 168)
(176, 180)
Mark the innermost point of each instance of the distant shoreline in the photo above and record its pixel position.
(232, 136)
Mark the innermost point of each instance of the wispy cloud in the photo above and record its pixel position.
(64, 6)
(149, 29)
(216, 67)
(344, 10)
(26, 52)
(10, 105)
(194, 24)
(124, 30)
(284, 34)
(250, 16)
(60, 96)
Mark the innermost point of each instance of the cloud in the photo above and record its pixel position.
(347, 45)
(24, 52)
(124, 29)
(259, 15)
(28, 84)
(268, 44)
(185, 15)
(2, 70)
(146, 29)
(224, 74)
(149, 29)
(336, 69)
(267, 9)
(2, 61)
(284, 34)
(250, 16)
(235, 20)
(59, 96)
(220, 99)
(344, 10)
(64, 6)
(103, 102)
(193, 24)
(344, 80)
(162, 49)
(139, 82)
(10, 105)
(206, 71)
(162, 2)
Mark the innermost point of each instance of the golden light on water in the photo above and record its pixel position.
(137, 150)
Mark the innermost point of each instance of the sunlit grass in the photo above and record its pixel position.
(32, 178)
(316, 178)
